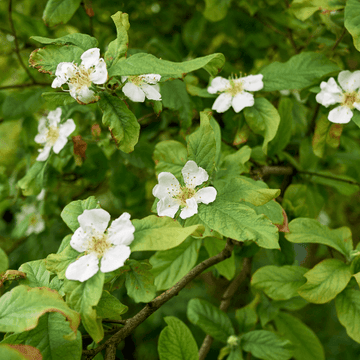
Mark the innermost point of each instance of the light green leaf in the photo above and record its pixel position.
(176, 341)
(140, 281)
(51, 337)
(234, 164)
(142, 63)
(301, 71)
(21, 308)
(201, 144)
(122, 123)
(118, 47)
(83, 41)
(109, 307)
(72, 211)
(58, 263)
(216, 10)
(352, 21)
(325, 281)
(348, 311)
(83, 297)
(307, 344)
(341, 186)
(170, 266)
(225, 268)
(59, 11)
(303, 9)
(32, 182)
(58, 98)
(9, 353)
(267, 345)
(304, 230)
(279, 283)
(239, 222)
(272, 210)
(154, 233)
(263, 119)
(4, 261)
(170, 156)
(210, 319)
(235, 354)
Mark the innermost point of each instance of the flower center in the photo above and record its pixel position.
(136, 80)
(81, 77)
(52, 135)
(235, 87)
(350, 98)
(99, 244)
(33, 220)
(184, 194)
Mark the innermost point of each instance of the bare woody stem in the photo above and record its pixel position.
(225, 303)
(111, 344)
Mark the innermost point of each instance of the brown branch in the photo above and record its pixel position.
(338, 41)
(225, 302)
(111, 344)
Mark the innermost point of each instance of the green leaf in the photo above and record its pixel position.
(170, 156)
(325, 281)
(303, 9)
(140, 281)
(263, 119)
(304, 230)
(348, 311)
(279, 283)
(83, 41)
(272, 210)
(235, 354)
(59, 11)
(239, 222)
(216, 10)
(122, 123)
(72, 211)
(234, 164)
(51, 337)
(246, 318)
(118, 47)
(21, 308)
(301, 71)
(225, 268)
(142, 63)
(267, 345)
(307, 344)
(58, 263)
(154, 233)
(32, 182)
(109, 307)
(201, 144)
(47, 59)
(210, 319)
(4, 261)
(352, 21)
(9, 353)
(58, 98)
(170, 266)
(176, 341)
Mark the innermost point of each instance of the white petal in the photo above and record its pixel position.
(326, 98)
(242, 100)
(340, 115)
(67, 128)
(64, 71)
(151, 91)
(331, 86)
(349, 81)
(44, 153)
(190, 209)
(42, 125)
(218, 84)
(41, 138)
(356, 106)
(206, 195)
(57, 82)
(133, 92)
(83, 269)
(39, 226)
(193, 175)
(90, 57)
(80, 240)
(168, 186)
(222, 103)
(167, 207)
(114, 258)
(121, 231)
(123, 78)
(151, 78)
(252, 82)
(59, 144)
(85, 95)
(54, 117)
(97, 219)
(100, 74)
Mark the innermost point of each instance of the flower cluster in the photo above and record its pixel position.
(52, 134)
(80, 77)
(172, 195)
(137, 88)
(111, 247)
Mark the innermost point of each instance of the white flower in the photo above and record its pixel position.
(347, 95)
(172, 195)
(137, 87)
(53, 135)
(31, 215)
(110, 246)
(80, 77)
(233, 92)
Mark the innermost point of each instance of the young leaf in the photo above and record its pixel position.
(279, 283)
(307, 344)
(325, 281)
(83, 41)
(59, 11)
(176, 341)
(122, 123)
(210, 319)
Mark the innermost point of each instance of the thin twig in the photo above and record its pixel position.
(123, 322)
(19, 86)
(338, 41)
(352, 182)
(111, 344)
(146, 116)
